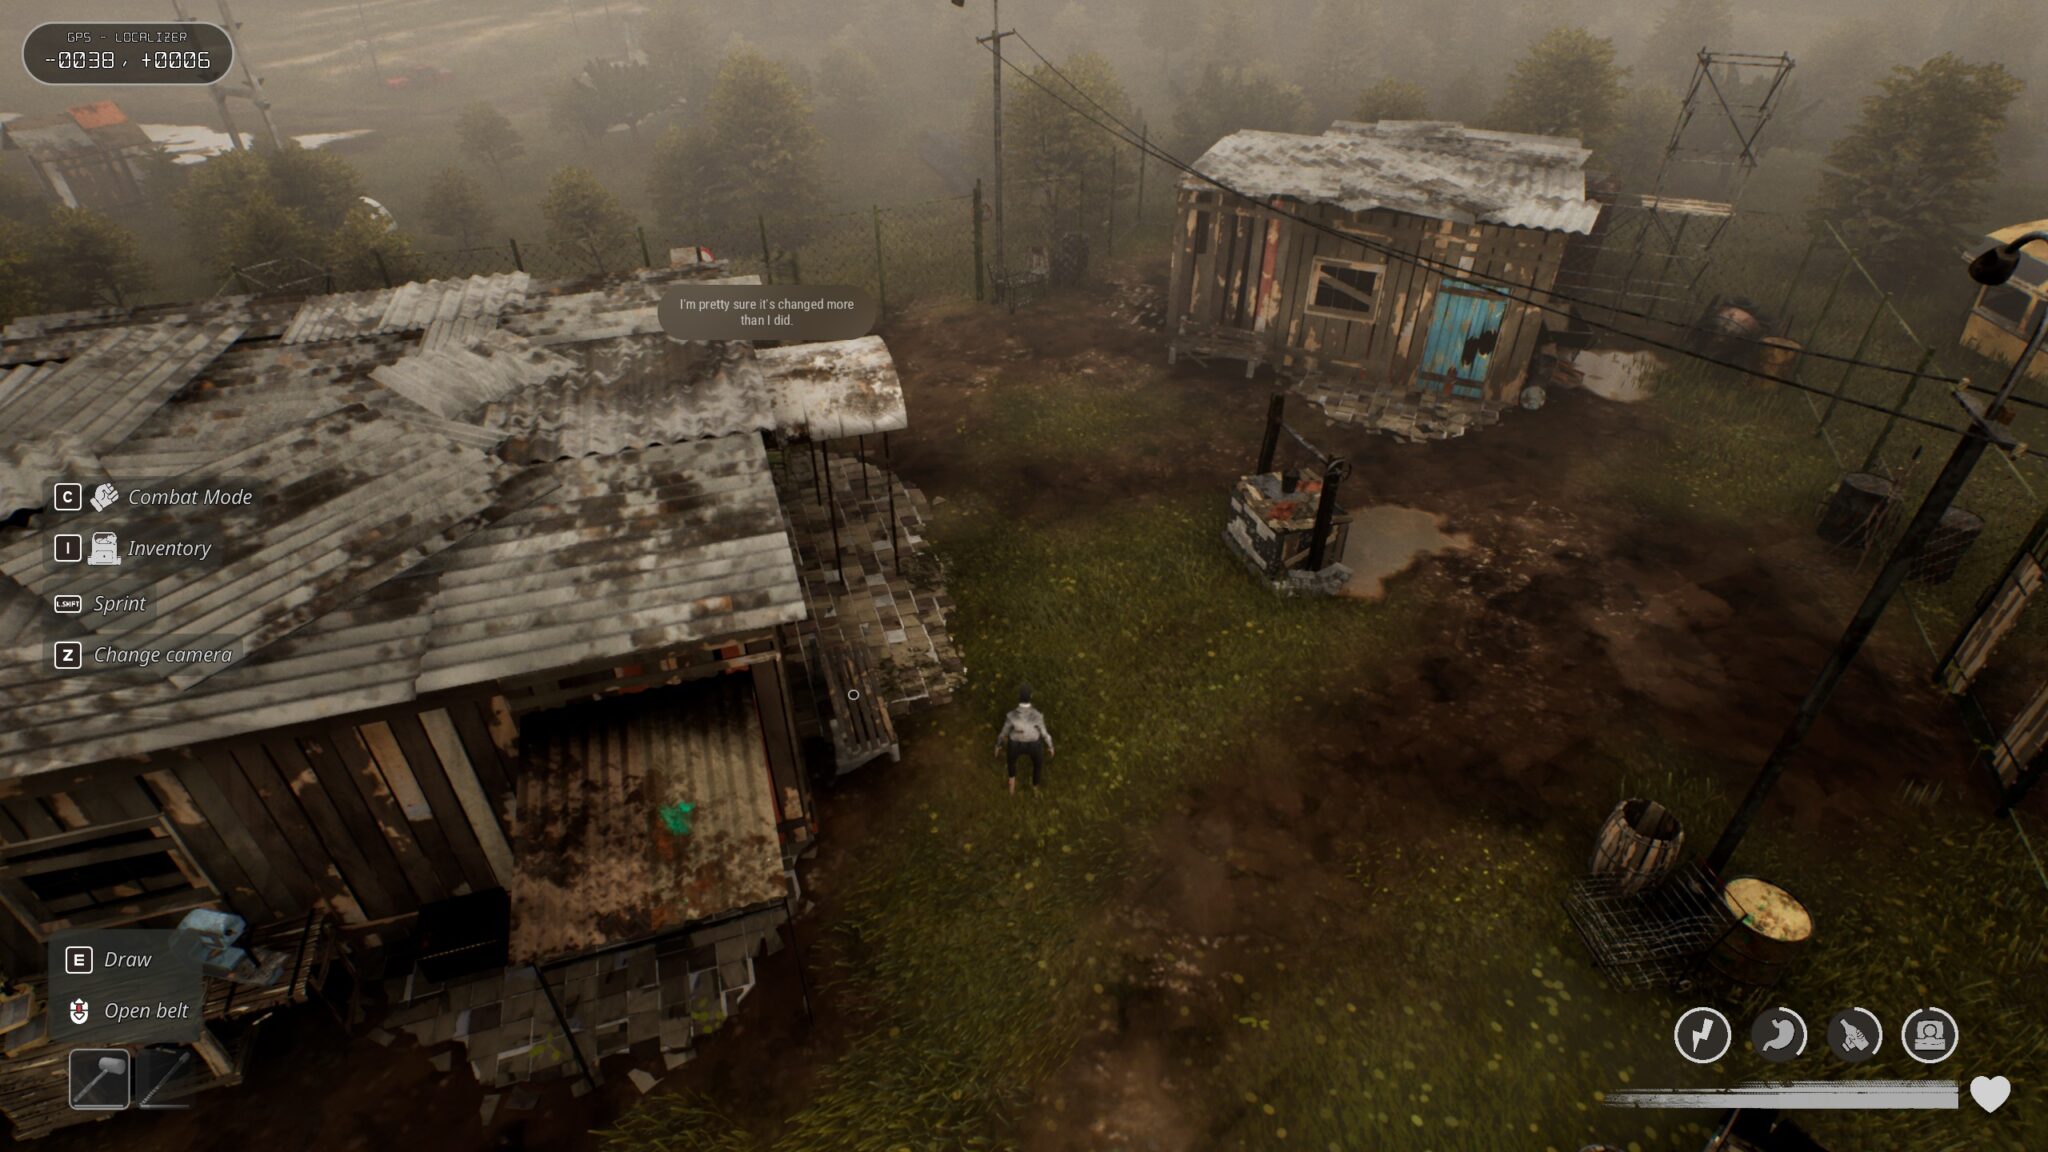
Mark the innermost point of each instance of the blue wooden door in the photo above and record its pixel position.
(1460, 345)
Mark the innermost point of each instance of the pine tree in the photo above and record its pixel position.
(1918, 162)
(584, 218)
(1671, 50)
(754, 153)
(1567, 85)
(456, 205)
(486, 135)
(85, 260)
(1229, 99)
(1391, 99)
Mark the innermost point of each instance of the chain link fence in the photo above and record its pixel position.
(1855, 451)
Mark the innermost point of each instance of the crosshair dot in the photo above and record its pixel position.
(853, 693)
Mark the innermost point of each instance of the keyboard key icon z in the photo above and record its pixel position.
(1703, 1035)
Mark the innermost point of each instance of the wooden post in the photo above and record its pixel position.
(881, 274)
(1849, 370)
(383, 269)
(517, 261)
(980, 274)
(1144, 153)
(832, 514)
(767, 256)
(1109, 229)
(1276, 413)
(889, 483)
(1871, 460)
(1326, 511)
(646, 257)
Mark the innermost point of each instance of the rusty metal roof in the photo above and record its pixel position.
(1436, 169)
(640, 815)
(406, 308)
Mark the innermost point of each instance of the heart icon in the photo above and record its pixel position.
(1990, 1092)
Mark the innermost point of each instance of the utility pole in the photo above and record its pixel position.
(1984, 430)
(220, 98)
(994, 40)
(252, 82)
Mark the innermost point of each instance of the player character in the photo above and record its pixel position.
(1024, 734)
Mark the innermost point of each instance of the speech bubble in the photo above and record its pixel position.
(766, 312)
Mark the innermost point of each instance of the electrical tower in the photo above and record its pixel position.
(1652, 247)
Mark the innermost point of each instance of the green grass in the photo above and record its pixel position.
(1466, 1017)
(1459, 1012)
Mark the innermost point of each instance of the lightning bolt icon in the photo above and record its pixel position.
(1701, 1033)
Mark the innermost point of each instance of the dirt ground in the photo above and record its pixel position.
(1572, 611)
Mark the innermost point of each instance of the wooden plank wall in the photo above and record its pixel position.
(367, 817)
(1221, 282)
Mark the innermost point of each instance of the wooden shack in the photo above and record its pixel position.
(492, 523)
(2004, 315)
(91, 156)
(1457, 232)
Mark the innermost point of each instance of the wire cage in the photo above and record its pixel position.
(1652, 938)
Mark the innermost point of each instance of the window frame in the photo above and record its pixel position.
(1318, 274)
(2032, 315)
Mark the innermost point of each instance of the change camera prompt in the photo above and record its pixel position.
(770, 312)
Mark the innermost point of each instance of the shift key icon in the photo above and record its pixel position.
(67, 603)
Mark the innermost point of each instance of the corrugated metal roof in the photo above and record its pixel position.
(632, 392)
(456, 381)
(834, 390)
(624, 307)
(593, 560)
(406, 308)
(98, 398)
(597, 859)
(399, 554)
(48, 137)
(629, 553)
(343, 504)
(1427, 168)
(636, 391)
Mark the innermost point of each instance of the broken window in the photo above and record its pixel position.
(1347, 289)
(101, 877)
(2005, 305)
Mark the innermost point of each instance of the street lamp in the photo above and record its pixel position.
(1994, 266)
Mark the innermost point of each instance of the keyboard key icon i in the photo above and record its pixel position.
(67, 547)
(1703, 1035)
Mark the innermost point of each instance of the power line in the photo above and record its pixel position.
(1500, 286)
